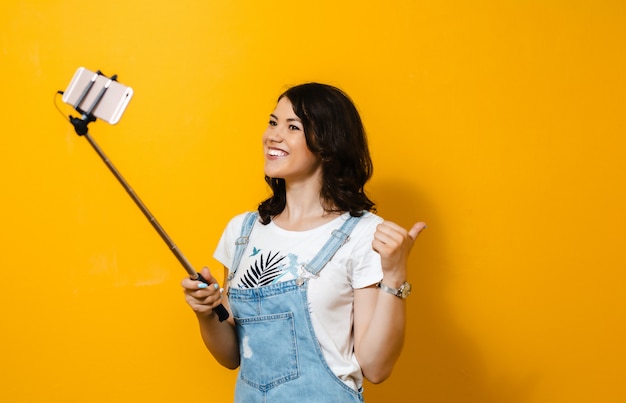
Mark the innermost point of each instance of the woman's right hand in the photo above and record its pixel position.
(202, 297)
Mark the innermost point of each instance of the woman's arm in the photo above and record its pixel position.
(220, 338)
(379, 317)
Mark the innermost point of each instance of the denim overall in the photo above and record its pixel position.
(281, 360)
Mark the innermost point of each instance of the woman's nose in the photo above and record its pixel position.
(273, 135)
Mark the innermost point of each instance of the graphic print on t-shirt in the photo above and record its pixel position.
(267, 268)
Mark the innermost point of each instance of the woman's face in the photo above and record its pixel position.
(286, 153)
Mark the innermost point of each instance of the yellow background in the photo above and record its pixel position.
(499, 123)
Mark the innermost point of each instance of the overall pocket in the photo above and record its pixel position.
(268, 350)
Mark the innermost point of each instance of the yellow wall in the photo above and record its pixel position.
(499, 123)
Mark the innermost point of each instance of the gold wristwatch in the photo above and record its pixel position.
(402, 292)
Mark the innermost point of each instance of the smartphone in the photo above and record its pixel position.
(95, 94)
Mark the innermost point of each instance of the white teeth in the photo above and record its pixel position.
(277, 153)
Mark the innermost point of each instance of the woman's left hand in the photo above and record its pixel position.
(393, 243)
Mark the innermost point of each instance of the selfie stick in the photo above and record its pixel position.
(80, 126)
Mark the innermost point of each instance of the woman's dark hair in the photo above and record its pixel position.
(334, 131)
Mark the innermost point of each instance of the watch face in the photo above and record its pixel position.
(405, 289)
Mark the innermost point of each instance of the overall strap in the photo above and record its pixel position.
(338, 238)
(242, 241)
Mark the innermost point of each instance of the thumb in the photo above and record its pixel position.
(417, 229)
(206, 273)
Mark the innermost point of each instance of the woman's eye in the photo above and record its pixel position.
(273, 123)
(293, 127)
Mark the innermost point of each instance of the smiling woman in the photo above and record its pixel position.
(308, 281)
(334, 132)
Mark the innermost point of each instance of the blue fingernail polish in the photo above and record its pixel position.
(203, 285)
(216, 286)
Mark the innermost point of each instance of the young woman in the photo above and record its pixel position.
(315, 281)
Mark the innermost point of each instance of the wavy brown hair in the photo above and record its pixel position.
(333, 130)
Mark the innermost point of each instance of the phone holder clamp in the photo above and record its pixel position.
(80, 124)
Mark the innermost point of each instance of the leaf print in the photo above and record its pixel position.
(263, 271)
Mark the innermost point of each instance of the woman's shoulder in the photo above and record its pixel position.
(369, 220)
(242, 215)
(236, 222)
(365, 227)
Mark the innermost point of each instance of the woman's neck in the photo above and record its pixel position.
(304, 209)
(302, 221)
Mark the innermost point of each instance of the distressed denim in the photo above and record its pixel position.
(281, 359)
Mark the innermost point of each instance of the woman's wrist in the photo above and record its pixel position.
(394, 280)
(206, 316)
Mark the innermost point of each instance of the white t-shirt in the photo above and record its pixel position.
(279, 255)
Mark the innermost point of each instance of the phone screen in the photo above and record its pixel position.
(84, 89)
